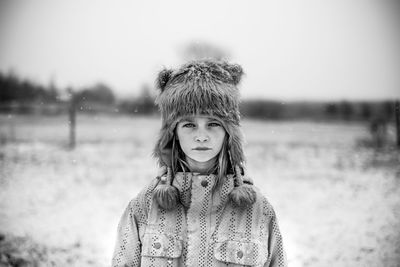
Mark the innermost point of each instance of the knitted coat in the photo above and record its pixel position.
(205, 229)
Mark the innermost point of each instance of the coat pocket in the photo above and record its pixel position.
(161, 245)
(238, 252)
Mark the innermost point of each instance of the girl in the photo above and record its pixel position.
(202, 210)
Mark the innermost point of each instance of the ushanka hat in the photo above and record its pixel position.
(208, 88)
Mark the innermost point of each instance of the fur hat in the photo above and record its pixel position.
(203, 87)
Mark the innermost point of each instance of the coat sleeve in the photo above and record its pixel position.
(127, 250)
(128, 247)
(276, 254)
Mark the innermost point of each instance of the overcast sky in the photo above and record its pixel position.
(289, 49)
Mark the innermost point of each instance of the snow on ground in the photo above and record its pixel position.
(337, 202)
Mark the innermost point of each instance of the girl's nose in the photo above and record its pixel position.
(202, 136)
(201, 139)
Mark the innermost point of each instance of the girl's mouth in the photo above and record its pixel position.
(201, 148)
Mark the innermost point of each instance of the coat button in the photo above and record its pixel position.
(204, 183)
(157, 245)
(239, 254)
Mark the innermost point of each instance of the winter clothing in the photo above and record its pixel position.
(207, 88)
(205, 228)
(200, 87)
(188, 219)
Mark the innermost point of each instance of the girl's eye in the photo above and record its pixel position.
(188, 125)
(214, 124)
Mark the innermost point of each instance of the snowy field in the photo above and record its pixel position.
(337, 201)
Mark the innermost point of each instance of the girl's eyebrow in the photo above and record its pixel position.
(213, 120)
(187, 119)
(192, 119)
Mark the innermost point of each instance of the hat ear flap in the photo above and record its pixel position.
(235, 71)
(235, 140)
(162, 79)
(163, 148)
(243, 194)
(166, 195)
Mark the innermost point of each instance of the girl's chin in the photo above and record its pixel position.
(201, 160)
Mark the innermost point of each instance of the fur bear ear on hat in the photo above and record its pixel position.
(235, 71)
(163, 77)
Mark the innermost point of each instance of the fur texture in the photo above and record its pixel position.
(166, 195)
(163, 78)
(207, 88)
(200, 87)
(243, 194)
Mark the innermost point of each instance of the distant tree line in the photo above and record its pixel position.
(142, 104)
(24, 96)
(24, 91)
(335, 110)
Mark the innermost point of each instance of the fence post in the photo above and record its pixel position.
(72, 121)
(397, 114)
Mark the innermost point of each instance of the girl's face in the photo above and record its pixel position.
(201, 140)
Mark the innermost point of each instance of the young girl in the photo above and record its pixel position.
(202, 210)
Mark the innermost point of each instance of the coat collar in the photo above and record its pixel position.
(183, 182)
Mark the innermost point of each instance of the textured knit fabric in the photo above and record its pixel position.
(205, 229)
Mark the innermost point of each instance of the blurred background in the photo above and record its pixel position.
(320, 116)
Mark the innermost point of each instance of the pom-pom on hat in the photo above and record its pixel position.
(203, 87)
